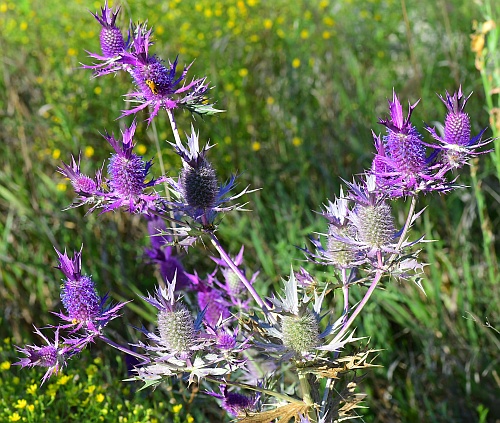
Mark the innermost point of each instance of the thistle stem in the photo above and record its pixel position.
(124, 349)
(283, 397)
(239, 273)
(362, 303)
(306, 395)
(173, 124)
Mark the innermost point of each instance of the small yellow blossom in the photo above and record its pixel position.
(256, 146)
(3, 7)
(97, 90)
(227, 139)
(328, 20)
(189, 418)
(15, 417)
(208, 13)
(296, 141)
(72, 51)
(141, 149)
(270, 100)
(254, 38)
(243, 72)
(280, 33)
(22, 403)
(89, 151)
(268, 23)
(326, 35)
(6, 341)
(30, 408)
(61, 186)
(159, 30)
(23, 26)
(5, 365)
(31, 390)
(90, 389)
(323, 4)
(63, 380)
(100, 398)
(296, 63)
(304, 34)
(56, 154)
(177, 408)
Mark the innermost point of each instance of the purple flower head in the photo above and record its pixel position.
(157, 84)
(235, 403)
(198, 194)
(89, 190)
(456, 144)
(83, 305)
(112, 43)
(400, 165)
(127, 175)
(53, 356)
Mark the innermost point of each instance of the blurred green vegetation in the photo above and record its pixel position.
(303, 83)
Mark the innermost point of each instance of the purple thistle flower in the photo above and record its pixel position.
(112, 43)
(127, 173)
(456, 144)
(235, 403)
(83, 305)
(400, 165)
(53, 356)
(198, 193)
(158, 86)
(89, 190)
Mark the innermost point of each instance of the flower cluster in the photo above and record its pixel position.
(157, 85)
(402, 165)
(230, 341)
(126, 184)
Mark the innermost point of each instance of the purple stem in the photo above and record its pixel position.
(362, 303)
(238, 272)
(124, 349)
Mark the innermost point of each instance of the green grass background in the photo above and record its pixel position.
(303, 83)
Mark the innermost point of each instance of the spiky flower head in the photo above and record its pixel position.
(456, 144)
(112, 42)
(89, 189)
(300, 332)
(53, 356)
(158, 87)
(197, 190)
(78, 293)
(127, 176)
(84, 307)
(371, 216)
(177, 329)
(113, 45)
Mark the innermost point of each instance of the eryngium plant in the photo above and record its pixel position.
(237, 341)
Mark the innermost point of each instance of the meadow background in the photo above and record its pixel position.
(303, 83)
